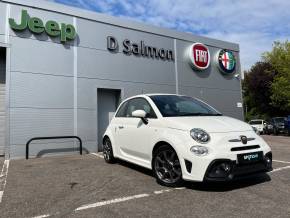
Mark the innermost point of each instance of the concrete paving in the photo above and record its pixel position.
(58, 186)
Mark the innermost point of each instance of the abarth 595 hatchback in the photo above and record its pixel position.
(183, 138)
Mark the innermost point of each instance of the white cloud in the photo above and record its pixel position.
(252, 24)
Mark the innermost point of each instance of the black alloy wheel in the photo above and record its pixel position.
(166, 167)
(108, 151)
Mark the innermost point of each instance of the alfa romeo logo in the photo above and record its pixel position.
(226, 61)
(199, 56)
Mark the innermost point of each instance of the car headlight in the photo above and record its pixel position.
(199, 150)
(200, 135)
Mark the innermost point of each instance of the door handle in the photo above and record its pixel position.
(121, 127)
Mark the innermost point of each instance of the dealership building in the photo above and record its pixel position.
(63, 72)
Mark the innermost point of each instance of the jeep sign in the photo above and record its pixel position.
(36, 26)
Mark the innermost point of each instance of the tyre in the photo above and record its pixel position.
(108, 151)
(166, 167)
(275, 132)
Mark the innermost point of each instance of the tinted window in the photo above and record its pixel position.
(174, 106)
(140, 104)
(256, 122)
(279, 119)
(122, 110)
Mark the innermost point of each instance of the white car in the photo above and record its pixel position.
(258, 124)
(183, 138)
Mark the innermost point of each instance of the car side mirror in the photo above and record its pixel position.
(140, 114)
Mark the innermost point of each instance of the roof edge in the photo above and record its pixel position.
(121, 22)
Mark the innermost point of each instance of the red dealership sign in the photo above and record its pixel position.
(199, 56)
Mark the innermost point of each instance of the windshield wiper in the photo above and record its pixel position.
(214, 114)
(200, 114)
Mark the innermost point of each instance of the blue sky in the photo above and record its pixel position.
(254, 24)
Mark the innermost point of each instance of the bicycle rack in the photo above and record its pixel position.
(53, 137)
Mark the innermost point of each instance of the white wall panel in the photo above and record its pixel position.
(3, 18)
(87, 124)
(41, 57)
(118, 66)
(87, 90)
(44, 91)
(26, 123)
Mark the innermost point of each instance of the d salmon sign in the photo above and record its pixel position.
(226, 61)
(199, 56)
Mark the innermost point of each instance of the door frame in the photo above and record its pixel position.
(117, 88)
(7, 47)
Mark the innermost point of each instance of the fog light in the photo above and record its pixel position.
(199, 150)
(268, 162)
(220, 169)
(226, 167)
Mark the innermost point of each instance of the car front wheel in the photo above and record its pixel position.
(166, 167)
(108, 151)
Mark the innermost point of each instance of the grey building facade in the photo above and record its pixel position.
(57, 85)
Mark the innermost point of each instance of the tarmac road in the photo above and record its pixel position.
(85, 186)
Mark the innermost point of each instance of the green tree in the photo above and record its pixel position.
(279, 58)
(257, 93)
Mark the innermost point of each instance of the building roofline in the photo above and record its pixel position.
(121, 22)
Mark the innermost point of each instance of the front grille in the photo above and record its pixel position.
(239, 140)
(243, 148)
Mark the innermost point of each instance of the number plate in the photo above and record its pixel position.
(250, 157)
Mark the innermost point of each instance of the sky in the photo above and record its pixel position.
(253, 24)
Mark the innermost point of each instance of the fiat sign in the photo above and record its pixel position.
(199, 56)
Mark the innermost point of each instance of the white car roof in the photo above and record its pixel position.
(151, 94)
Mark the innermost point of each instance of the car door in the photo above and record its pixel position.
(134, 136)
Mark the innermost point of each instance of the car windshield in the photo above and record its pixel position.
(279, 119)
(176, 106)
(256, 122)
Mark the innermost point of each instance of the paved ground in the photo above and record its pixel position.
(84, 186)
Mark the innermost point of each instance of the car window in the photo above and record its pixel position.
(255, 122)
(176, 106)
(279, 119)
(188, 107)
(122, 110)
(140, 104)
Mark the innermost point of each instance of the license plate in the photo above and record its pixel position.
(250, 157)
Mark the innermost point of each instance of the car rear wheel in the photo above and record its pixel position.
(166, 167)
(108, 151)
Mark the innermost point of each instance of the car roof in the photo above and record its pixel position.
(154, 94)
(151, 94)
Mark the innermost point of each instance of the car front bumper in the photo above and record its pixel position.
(223, 167)
(281, 129)
(226, 170)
